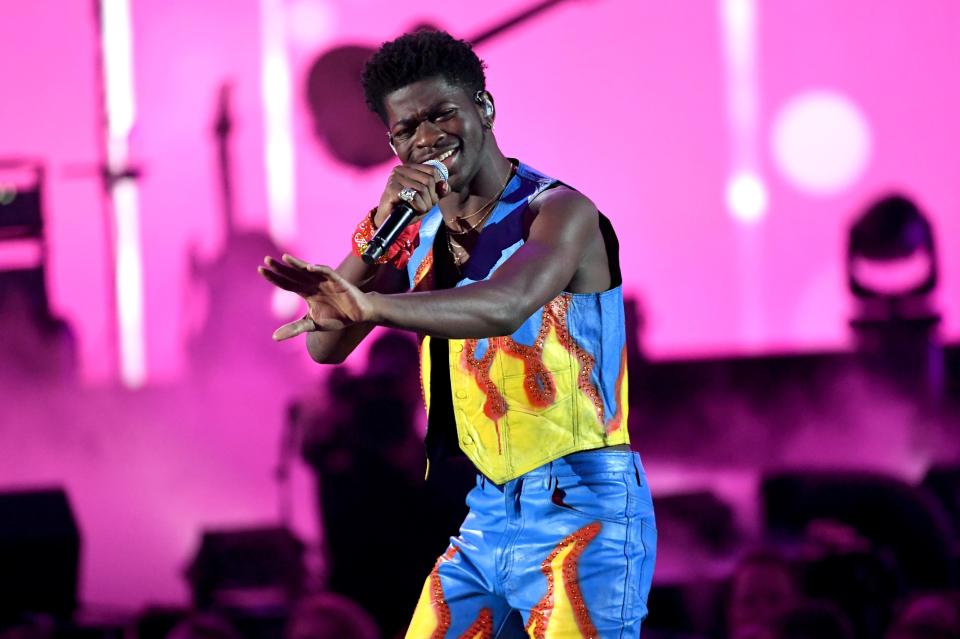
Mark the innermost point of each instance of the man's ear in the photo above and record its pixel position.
(487, 108)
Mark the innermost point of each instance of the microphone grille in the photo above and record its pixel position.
(441, 169)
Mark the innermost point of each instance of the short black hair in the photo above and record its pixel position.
(419, 56)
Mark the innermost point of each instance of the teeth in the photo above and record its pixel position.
(445, 155)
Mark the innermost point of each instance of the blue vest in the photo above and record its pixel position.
(557, 385)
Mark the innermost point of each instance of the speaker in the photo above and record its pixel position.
(39, 554)
(247, 566)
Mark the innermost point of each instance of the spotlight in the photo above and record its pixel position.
(891, 253)
(892, 272)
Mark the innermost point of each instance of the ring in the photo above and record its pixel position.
(407, 194)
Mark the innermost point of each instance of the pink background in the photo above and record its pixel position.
(625, 100)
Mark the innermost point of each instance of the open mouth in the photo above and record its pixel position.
(448, 156)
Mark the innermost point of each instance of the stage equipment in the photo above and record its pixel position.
(246, 568)
(892, 272)
(39, 554)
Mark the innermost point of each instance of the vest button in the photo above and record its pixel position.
(458, 348)
(467, 440)
(460, 394)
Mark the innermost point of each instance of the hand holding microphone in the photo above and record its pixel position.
(411, 192)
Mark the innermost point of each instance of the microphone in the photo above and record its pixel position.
(399, 219)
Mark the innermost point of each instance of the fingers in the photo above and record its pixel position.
(421, 172)
(422, 180)
(278, 280)
(330, 274)
(299, 275)
(422, 202)
(294, 328)
(297, 262)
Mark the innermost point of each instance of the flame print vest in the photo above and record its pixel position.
(555, 386)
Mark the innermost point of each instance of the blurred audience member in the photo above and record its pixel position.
(762, 588)
(32, 627)
(330, 616)
(930, 616)
(853, 571)
(811, 620)
(206, 625)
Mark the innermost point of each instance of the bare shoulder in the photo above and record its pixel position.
(563, 207)
(568, 218)
(565, 200)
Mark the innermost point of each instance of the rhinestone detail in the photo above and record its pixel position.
(540, 614)
(424, 274)
(556, 310)
(437, 600)
(538, 384)
(495, 406)
(482, 628)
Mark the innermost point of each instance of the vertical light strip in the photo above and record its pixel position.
(746, 194)
(276, 93)
(117, 46)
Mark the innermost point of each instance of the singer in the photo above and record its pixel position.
(512, 280)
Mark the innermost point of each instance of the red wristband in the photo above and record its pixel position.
(399, 252)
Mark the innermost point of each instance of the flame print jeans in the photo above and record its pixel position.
(566, 550)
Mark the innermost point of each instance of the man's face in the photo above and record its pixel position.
(433, 119)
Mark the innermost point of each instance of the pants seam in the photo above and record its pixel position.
(626, 580)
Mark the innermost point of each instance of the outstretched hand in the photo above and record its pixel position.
(333, 303)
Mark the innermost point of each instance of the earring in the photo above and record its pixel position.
(483, 100)
(390, 142)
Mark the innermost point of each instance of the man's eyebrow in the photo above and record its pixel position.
(429, 111)
(405, 122)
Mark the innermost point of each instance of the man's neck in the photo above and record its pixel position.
(486, 184)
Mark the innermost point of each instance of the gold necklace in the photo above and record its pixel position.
(467, 217)
(478, 211)
(483, 219)
(453, 254)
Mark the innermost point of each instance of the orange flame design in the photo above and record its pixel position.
(567, 553)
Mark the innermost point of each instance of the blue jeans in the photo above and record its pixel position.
(566, 550)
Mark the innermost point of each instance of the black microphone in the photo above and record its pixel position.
(399, 218)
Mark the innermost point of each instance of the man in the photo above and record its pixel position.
(512, 279)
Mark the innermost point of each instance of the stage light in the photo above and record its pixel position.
(277, 96)
(285, 305)
(746, 197)
(891, 252)
(821, 142)
(8, 193)
(310, 22)
(119, 89)
(129, 283)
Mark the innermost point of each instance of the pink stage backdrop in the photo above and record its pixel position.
(625, 100)
(628, 101)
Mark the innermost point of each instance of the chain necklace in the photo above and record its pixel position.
(478, 211)
(482, 208)
(453, 254)
(457, 259)
(483, 219)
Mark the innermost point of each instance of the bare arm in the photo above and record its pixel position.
(558, 243)
(332, 343)
(563, 245)
(333, 347)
